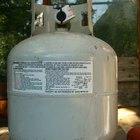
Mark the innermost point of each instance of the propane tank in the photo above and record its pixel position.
(62, 86)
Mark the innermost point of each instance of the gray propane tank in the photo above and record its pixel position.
(62, 86)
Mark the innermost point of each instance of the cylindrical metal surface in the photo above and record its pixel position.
(62, 86)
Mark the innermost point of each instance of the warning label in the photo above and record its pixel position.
(53, 77)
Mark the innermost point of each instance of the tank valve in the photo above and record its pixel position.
(64, 15)
(61, 16)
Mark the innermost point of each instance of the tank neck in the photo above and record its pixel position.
(62, 28)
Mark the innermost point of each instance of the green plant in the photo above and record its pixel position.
(6, 44)
(118, 27)
(15, 19)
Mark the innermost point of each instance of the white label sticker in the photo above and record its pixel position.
(53, 77)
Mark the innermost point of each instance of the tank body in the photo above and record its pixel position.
(62, 86)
